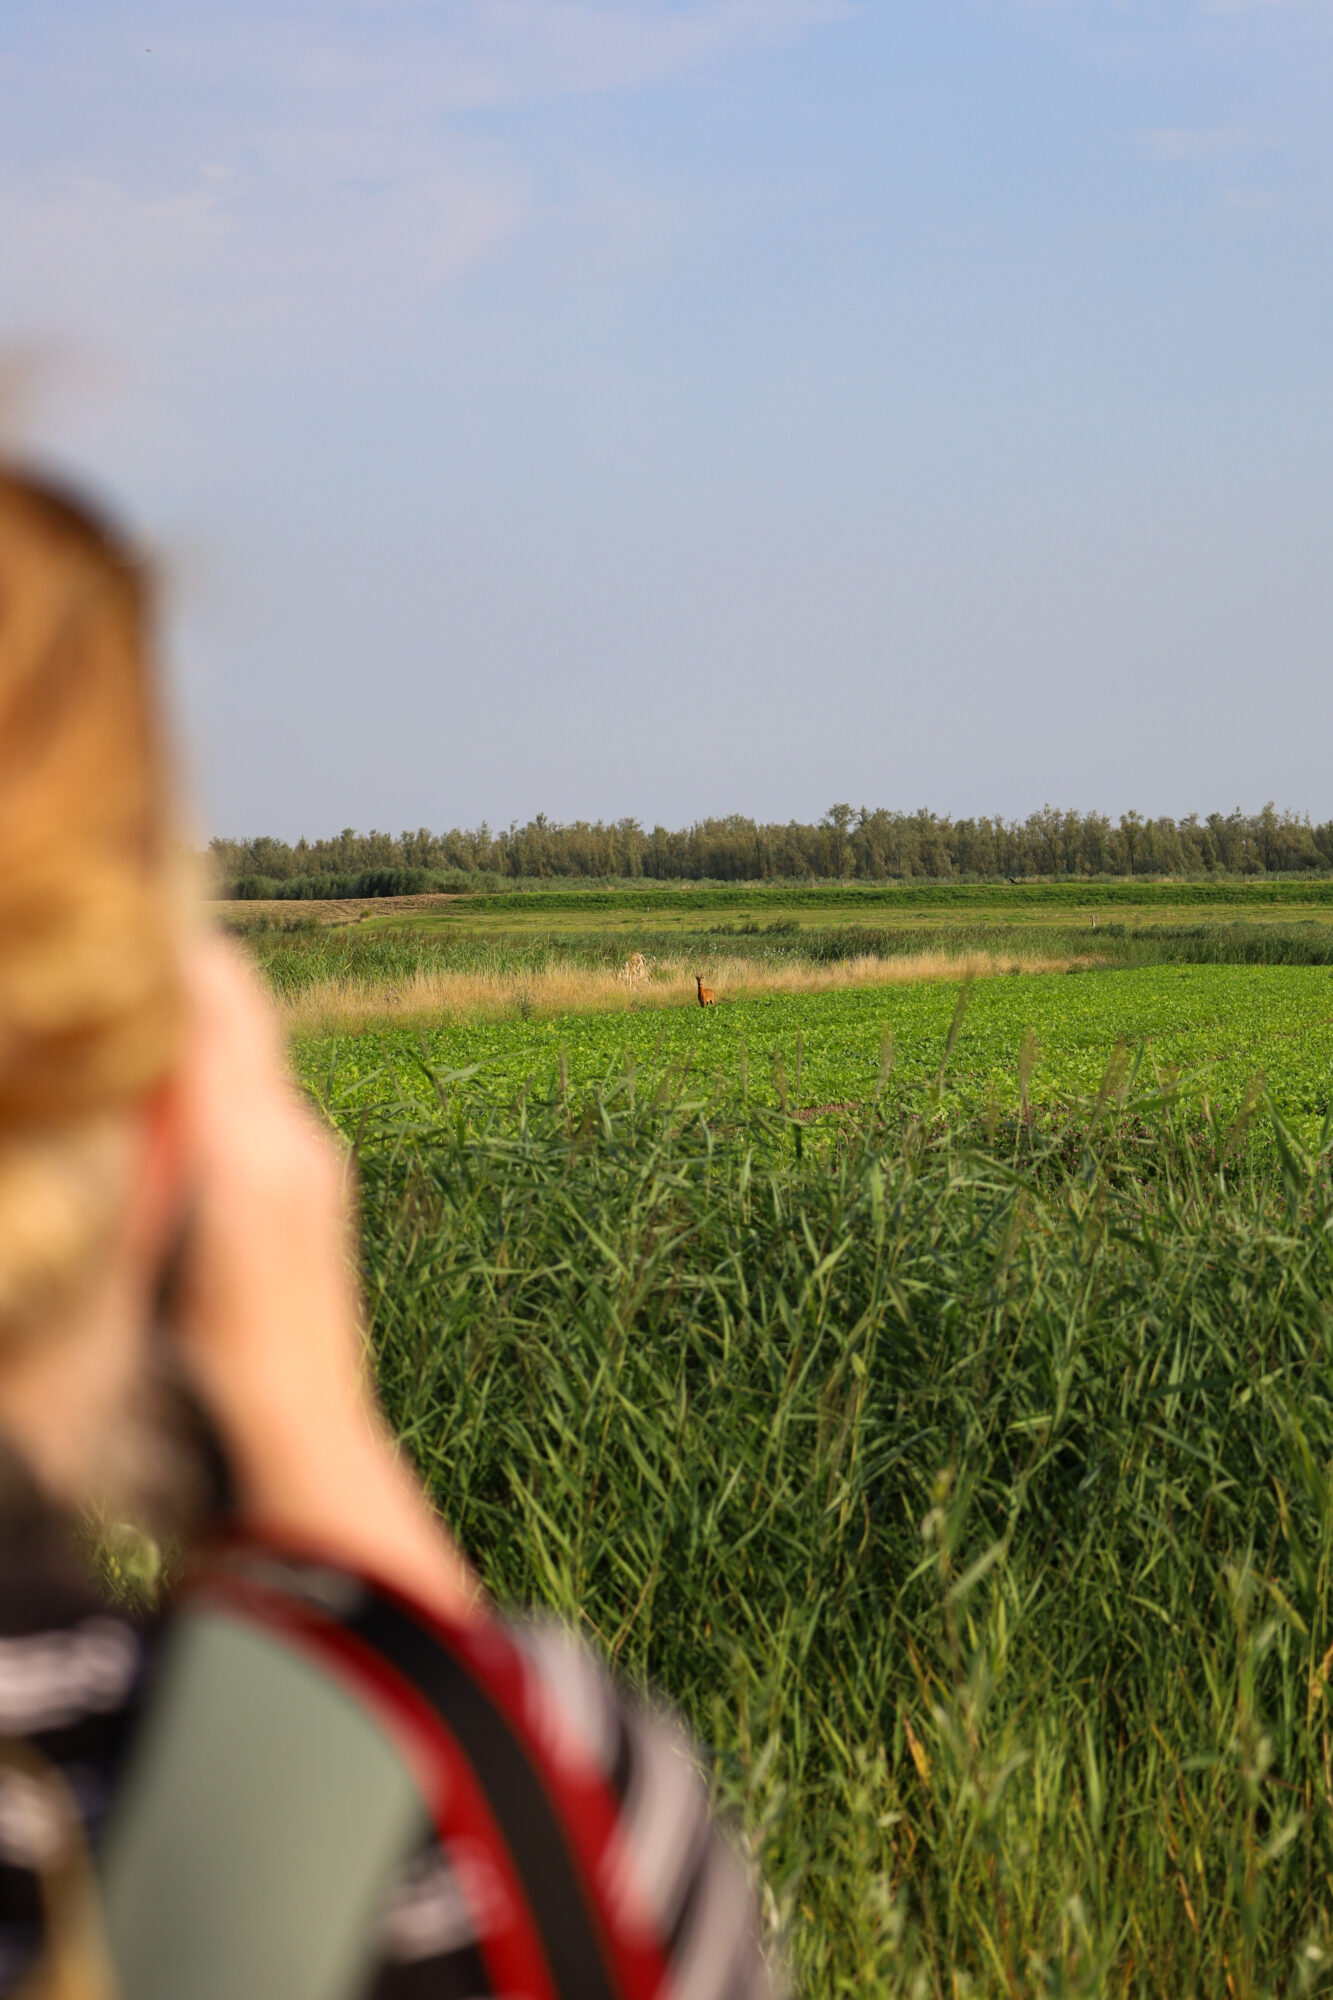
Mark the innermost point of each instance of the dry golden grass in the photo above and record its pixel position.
(341, 1005)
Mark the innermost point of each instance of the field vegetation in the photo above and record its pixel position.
(506, 986)
(970, 1493)
(340, 965)
(1204, 1033)
(926, 1383)
(558, 907)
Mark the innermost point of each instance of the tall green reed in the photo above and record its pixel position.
(971, 1494)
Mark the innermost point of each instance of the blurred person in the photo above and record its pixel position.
(326, 1768)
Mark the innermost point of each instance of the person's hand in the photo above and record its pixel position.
(270, 1326)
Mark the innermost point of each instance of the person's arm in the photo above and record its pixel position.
(584, 1798)
(270, 1322)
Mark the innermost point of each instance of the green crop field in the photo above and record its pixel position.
(966, 1476)
(1215, 1028)
(705, 912)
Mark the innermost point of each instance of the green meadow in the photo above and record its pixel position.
(927, 1386)
(671, 907)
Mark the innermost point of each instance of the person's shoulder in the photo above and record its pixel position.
(571, 1821)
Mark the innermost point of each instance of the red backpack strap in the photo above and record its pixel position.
(528, 1820)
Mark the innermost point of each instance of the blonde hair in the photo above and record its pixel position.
(90, 998)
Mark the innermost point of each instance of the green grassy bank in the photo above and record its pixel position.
(937, 1405)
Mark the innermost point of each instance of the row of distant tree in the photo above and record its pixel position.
(864, 845)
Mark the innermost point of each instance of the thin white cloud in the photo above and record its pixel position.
(77, 243)
(479, 54)
(229, 255)
(299, 163)
(532, 48)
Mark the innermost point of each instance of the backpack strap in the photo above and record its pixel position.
(458, 1698)
(261, 1820)
(309, 1729)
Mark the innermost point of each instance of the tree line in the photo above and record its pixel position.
(846, 844)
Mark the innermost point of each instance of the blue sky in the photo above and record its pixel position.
(590, 408)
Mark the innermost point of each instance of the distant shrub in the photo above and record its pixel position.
(339, 888)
